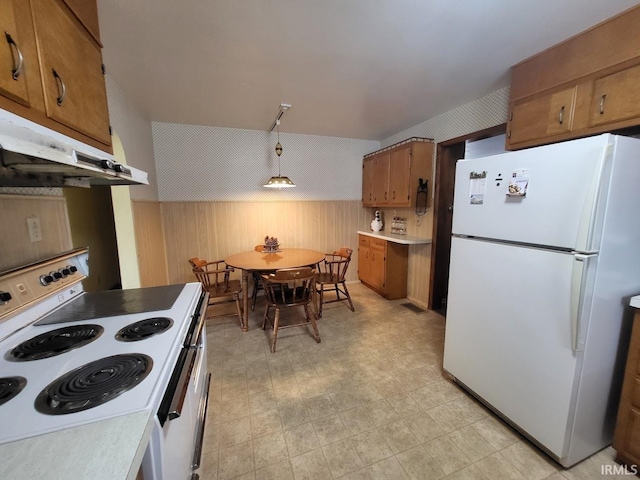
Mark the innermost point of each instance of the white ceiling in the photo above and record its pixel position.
(351, 68)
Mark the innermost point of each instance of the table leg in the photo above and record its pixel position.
(244, 321)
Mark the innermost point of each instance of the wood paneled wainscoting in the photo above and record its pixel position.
(150, 243)
(215, 230)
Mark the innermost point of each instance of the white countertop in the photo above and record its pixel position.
(392, 237)
(635, 301)
(106, 450)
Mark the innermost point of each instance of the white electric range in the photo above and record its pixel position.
(69, 357)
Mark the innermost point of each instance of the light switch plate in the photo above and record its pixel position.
(35, 232)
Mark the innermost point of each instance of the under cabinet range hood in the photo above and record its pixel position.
(34, 156)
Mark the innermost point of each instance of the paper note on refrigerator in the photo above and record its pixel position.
(477, 187)
(518, 183)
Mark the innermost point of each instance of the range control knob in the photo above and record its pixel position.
(64, 272)
(106, 164)
(4, 297)
(72, 269)
(56, 276)
(46, 279)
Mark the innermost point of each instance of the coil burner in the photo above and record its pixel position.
(55, 342)
(93, 384)
(10, 387)
(144, 329)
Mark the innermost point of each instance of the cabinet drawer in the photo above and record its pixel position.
(377, 244)
(364, 241)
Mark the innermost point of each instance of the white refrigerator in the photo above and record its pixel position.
(545, 255)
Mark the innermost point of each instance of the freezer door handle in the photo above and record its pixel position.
(578, 284)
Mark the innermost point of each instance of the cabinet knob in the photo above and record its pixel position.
(561, 115)
(602, 103)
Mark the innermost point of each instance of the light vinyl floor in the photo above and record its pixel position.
(369, 402)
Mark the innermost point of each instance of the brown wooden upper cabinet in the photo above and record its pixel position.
(368, 166)
(13, 79)
(74, 89)
(548, 114)
(616, 97)
(55, 54)
(585, 85)
(381, 179)
(390, 176)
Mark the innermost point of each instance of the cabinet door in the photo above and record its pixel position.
(75, 93)
(399, 175)
(616, 97)
(377, 270)
(368, 165)
(381, 179)
(87, 13)
(13, 83)
(543, 116)
(364, 256)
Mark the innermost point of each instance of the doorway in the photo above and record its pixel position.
(92, 225)
(448, 153)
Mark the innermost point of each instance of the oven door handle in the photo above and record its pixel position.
(175, 409)
(171, 406)
(199, 318)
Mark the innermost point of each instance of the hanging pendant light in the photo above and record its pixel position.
(279, 181)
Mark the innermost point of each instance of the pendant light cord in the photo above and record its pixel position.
(278, 126)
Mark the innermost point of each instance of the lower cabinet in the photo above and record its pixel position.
(627, 434)
(382, 266)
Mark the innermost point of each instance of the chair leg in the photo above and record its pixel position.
(265, 317)
(312, 318)
(238, 306)
(346, 292)
(321, 300)
(275, 330)
(254, 295)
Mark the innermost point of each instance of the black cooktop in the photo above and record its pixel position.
(112, 303)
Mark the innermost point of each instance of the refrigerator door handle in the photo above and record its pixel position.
(578, 284)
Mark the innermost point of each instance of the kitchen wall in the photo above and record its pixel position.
(133, 125)
(215, 230)
(197, 163)
(479, 114)
(485, 112)
(213, 203)
(220, 171)
(16, 247)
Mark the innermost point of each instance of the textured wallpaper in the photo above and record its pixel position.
(485, 112)
(197, 163)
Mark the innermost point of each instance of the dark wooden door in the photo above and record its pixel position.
(448, 154)
(445, 177)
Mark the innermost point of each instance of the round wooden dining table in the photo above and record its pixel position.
(253, 260)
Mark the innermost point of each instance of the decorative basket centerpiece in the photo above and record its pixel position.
(271, 244)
